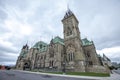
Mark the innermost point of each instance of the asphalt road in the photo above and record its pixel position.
(16, 75)
(117, 71)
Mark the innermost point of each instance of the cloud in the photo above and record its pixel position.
(7, 52)
(99, 21)
(113, 53)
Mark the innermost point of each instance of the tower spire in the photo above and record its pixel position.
(68, 12)
(67, 6)
(27, 42)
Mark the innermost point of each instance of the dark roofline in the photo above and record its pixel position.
(68, 14)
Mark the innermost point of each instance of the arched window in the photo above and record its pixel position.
(69, 31)
(52, 63)
(70, 56)
(88, 54)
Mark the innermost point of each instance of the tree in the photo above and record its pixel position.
(0, 66)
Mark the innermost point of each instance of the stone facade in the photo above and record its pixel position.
(71, 53)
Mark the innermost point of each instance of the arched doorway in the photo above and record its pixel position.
(26, 66)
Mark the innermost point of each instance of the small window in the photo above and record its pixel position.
(40, 46)
(90, 63)
(88, 54)
(69, 31)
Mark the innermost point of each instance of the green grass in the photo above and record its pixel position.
(84, 74)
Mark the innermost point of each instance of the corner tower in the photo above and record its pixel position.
(73, 44)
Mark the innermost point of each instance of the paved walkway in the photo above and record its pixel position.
(113, 76)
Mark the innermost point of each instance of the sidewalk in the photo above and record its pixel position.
(113, 76)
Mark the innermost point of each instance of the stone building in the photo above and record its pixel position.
(71, 53)
(105, 60)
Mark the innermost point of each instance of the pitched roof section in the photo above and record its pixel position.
(59, 40)
(23, 54)
(86, 42)
(68, 13)
(105, 58)
(42, 46)
(24, 50)
(25, 46)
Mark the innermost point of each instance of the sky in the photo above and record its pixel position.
(29, 21)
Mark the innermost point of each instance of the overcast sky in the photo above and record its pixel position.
(23, 21)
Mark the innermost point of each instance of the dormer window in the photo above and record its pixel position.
(40, 46)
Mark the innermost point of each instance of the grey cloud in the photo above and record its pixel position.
(3, 29)
(3, 15)
(116, 59)
(7, 49)
(100, 22)
(20, 4)
(7, 59)
(2, 3)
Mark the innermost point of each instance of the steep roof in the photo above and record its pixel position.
(25, 46)
(24, 50)
(105, 58)
(86, 42)
(23, 53)
(42, 46)
(59, 40)
(68, 13)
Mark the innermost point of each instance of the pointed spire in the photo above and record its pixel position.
(67, 6)
(27, 42)
(68, 12)
(51, 42)
(25, 46)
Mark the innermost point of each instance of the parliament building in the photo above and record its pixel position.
(71, 54)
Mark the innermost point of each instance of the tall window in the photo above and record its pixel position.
(69, 31)
(51, 64)
(88, 54)
(71, 56)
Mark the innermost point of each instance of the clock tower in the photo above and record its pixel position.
(75, 58)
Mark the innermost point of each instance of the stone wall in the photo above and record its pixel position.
(97, 69)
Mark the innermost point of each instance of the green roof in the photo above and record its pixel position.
(42, 46)
(86, 42)
(57, 39)
(23, 53)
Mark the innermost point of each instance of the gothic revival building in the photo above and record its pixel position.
(71, 53)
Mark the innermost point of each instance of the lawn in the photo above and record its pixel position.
(83, 74)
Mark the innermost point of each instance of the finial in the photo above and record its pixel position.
(67, 6)
(40, 38)
(27, 42)
(52, 36)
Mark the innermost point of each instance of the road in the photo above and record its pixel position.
(16, 75)
(117, 71)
